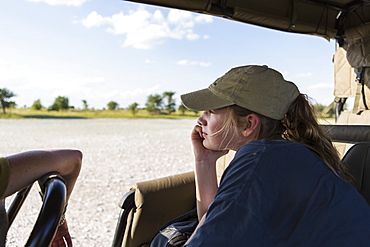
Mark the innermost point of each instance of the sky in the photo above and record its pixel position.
(113, 50)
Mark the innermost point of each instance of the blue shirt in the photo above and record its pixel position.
(280, 193)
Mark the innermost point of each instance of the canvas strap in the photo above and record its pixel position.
(360, 93)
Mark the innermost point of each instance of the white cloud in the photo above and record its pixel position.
(146, 30)
(204, 18)
(183, 62)
(321, 86)
(9, 72)
(153, 89)
(193, 63)
(74, 3)
(133, 93)
(204, 64)
(93, 20)
(136, 92)
(4, 63)
(192, 36)
(305, 75)
(86, 81)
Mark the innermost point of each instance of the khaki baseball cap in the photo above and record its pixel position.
(256, 88)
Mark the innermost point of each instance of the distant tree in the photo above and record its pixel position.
(60, 103)
(4, 95)
(133, 108)
(170, 106)
(319, 107)
(12, 104)
(36, 105)
(86, 106)
(112, 105)
(182, 109)
(154, 104)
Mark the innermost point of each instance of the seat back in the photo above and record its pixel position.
(155, 203)
(358, 160)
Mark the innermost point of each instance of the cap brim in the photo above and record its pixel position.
(203, 100)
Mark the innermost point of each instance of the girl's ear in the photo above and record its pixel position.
(252, 123)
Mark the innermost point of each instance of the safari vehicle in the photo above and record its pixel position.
(150, 204)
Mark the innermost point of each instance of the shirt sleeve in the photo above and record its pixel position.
(4, 175)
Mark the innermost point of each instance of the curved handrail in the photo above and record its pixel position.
(16, 204)
(126, 204)
(54, 201)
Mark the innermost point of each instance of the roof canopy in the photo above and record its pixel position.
(329, 19)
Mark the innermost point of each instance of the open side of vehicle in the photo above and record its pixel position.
(150, 204)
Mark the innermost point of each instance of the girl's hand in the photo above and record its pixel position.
(62, 237)
(201, 153)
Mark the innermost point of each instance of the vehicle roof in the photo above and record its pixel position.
(328, 19)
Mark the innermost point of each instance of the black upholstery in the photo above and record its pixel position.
(358, 160)
(348, 133)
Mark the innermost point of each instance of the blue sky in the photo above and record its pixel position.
(103, 50)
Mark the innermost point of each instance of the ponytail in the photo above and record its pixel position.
(301, 126)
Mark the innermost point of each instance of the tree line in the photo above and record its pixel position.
(155, 104)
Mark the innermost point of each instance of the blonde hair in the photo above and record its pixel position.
(299, 125)
(228, 128)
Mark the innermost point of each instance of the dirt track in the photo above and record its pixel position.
(117, 153)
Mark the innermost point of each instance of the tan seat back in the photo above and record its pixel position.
(222, 163)
(157, 202)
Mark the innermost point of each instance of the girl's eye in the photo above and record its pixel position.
(211, 111)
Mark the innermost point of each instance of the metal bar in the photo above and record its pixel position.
(16, 204)
(126, 204)
(55, 197)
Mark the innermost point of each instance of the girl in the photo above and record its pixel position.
(286, 185)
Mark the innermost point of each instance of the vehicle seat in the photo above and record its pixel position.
(140, 219)
(358, 160)
(349, 118)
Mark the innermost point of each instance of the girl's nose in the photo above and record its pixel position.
(201, 121)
